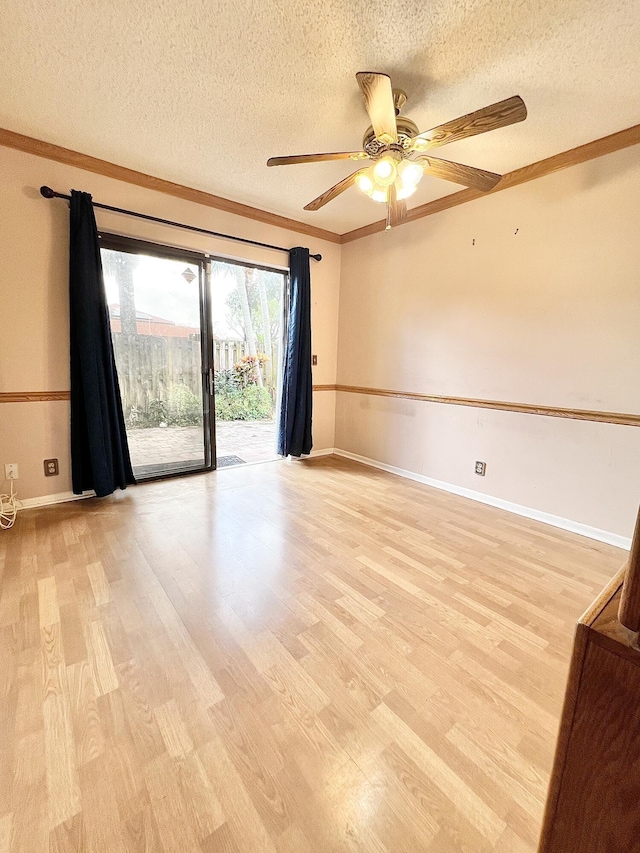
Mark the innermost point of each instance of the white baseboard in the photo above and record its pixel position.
(536, 514)
(325, 451)
(518, 509)
(64, 497)
(49, 500)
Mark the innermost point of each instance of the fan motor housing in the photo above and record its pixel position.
(407, 129)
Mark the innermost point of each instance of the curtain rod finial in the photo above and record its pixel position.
(47, 192)
(316, 257)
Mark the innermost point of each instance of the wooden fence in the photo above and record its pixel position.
(150, 367)
(228, 353)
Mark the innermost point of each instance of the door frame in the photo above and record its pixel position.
(135, 246)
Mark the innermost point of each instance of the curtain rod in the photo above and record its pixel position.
(47, 192)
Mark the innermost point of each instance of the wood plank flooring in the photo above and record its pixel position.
(287, 658)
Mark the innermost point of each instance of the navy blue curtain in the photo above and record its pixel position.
(99, 450)
(294, 436)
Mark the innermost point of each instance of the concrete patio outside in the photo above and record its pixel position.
(251, 441)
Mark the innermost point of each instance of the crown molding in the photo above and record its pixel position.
(573, 157)
(10, 139)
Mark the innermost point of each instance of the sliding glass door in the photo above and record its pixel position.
(159, 312)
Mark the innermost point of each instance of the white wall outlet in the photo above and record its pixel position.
(481, 468)
(11, 471)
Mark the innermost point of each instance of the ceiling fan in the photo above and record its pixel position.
(396, 147)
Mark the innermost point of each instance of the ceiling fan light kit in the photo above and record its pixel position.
(396, 147)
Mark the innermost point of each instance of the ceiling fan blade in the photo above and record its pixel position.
(468, 176)
(335, 191)
(378, 99)
(317, 158)
(497, 115)
(396, 210)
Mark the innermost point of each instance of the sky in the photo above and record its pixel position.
(161, 290)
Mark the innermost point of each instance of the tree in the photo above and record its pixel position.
(240, 314)
(273, 285)
(266, 327)
(259, 291)
(246, 278)
(120, 266)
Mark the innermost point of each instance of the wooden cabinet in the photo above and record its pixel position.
(593, 805)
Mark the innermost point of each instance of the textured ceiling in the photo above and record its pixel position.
(202, 93)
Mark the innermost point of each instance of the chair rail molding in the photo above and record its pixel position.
(622, 418)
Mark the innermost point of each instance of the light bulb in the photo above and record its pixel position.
(364, 183)
(379, 195)
(385, 172)
(405, 192)
(410, 173)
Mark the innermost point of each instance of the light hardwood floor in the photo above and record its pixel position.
(291, 657)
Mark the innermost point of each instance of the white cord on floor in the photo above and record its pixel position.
(8, 509)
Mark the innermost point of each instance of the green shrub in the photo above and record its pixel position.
(185, 407)
(156, 414)
(243, 404)
(225, 380)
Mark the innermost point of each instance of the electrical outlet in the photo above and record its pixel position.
(51, 468)
(314, 359)
(11, 471)
(481, 468)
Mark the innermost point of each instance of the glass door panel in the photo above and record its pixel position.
(247, 311)
(158, 313)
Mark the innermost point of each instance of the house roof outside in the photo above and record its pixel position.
(148, 324)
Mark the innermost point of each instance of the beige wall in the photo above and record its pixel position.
(34, 352)
(548, 315)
